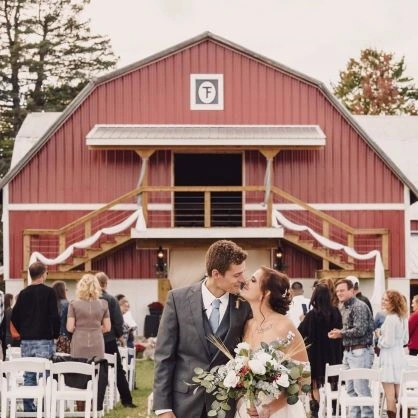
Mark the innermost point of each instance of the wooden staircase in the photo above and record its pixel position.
(92, 253)
(56, 241)
(320, 252)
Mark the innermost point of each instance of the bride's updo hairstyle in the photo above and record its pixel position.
(278, 284)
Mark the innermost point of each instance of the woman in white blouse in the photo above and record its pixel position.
(393, 336)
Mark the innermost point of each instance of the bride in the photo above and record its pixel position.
(267, 291)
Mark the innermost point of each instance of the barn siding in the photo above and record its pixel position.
(346, 170)
(158, 93)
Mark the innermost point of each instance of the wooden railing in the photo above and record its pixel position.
(52, 242)
(334, 229)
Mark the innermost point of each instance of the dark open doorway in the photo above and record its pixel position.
(208, 170)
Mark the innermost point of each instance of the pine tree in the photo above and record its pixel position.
(47, 54)
(376, 85)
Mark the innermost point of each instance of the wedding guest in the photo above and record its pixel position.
(111, 337)
(299, 306)
(88, 319)
(393, 335)
(331, 286)
(413, 328)
(357, 336)
(357, 292)
(322, 318)
(35, 317)
(63, 342)
(129, 324)
(379, 318)
(6, 336)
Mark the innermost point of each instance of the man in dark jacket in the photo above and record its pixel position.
(35, 316)
(358, 294)
(110, 340)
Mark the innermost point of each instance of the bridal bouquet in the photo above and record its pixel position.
(260, 375)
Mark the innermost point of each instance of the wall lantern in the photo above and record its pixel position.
(161, 264)
(279, 264)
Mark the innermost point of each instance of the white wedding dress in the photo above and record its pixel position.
(289, 411)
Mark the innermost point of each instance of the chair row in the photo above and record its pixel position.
(128, 358)
(408, 397)
(57, 384)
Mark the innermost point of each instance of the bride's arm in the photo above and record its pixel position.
(272, 407)
(267, 410)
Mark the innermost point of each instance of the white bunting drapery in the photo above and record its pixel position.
(379, 269)
(136, 216)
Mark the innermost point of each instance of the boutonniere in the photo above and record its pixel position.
(238, 302)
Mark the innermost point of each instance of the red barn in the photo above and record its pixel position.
(202, 141)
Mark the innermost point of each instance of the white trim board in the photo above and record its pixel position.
(218, 233)
(27, 207)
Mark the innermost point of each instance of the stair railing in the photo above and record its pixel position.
(362, 240)
(51, 242)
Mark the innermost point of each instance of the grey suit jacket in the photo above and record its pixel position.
(182, 346)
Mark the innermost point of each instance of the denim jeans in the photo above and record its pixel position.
(34, 348)
(359, 358)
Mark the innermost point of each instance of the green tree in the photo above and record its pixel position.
(376, 84)
(47, 54)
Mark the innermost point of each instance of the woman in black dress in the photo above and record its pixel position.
(322, 318)
(6, 336)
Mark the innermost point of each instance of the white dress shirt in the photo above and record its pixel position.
(295, 309)
(208, 298)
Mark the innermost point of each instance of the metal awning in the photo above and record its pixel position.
(174, 136)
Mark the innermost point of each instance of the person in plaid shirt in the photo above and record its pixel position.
(357, 336)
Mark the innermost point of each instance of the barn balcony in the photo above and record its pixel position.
(206, 212)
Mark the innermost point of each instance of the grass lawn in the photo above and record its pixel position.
(144, 381)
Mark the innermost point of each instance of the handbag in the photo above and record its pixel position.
(63, 344)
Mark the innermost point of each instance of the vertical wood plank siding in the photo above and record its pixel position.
(346, 170)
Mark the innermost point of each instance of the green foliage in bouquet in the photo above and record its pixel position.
(260, 375)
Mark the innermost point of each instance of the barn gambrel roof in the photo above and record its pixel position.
(187, 44)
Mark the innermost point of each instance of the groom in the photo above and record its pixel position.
(190, 315)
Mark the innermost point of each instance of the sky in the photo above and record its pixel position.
(315, 37)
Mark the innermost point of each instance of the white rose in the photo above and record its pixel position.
(257, 366)
(231, 380)
(242, 346)
(263, 356)
(240, 362)
(283, 380)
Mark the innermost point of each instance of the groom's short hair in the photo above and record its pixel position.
(221, 254)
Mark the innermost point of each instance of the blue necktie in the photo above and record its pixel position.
(214, 315)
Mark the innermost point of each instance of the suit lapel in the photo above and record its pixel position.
(196, 309)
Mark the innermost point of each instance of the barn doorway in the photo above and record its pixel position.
(208, 170)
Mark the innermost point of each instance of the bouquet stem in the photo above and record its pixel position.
(250, 400)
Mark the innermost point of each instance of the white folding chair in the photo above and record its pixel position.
(328, 393)
(412, 361)
(12, 387)
(62, 392)
(408, 393)
(13, 353)
(150, 403)
(345, 400)
(111, 390)
(131, 375)
(123, 352)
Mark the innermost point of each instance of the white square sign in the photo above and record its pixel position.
(206, 91)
